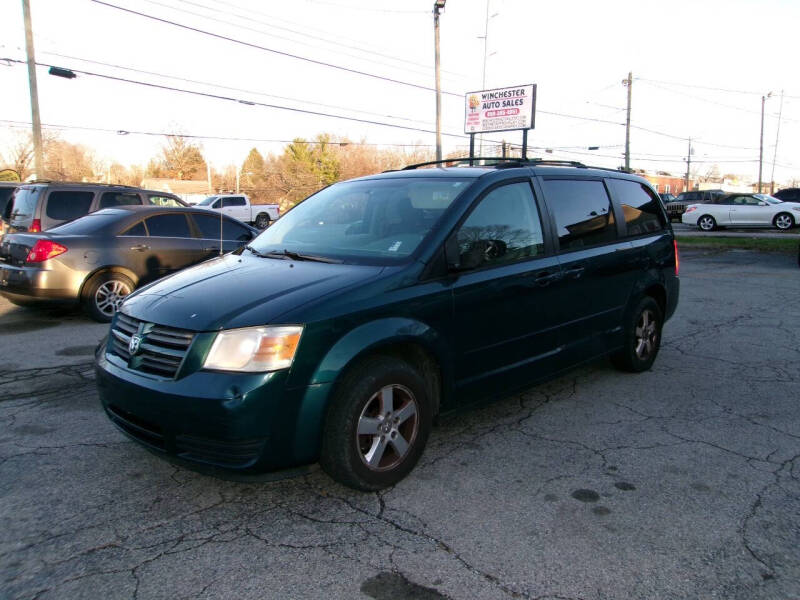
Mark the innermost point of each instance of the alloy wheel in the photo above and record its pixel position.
(646, 333)
(706, 223)
(387, 427)
(783, 222)
(110, 295)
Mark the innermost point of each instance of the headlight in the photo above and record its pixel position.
(254, 349)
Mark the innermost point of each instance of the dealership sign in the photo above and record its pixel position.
(501, 109)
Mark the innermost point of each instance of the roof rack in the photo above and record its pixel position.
(116, 185)
(509, 163)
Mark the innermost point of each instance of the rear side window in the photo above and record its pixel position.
(233, 201)
(22, 207)
(639, 207)
(174, 225)
(164, 201)
(137, 230)
(209, 228)
(111, 199)
(582, 212)
(67, 205)
(504, 227)
(5, 196)
(89, 224)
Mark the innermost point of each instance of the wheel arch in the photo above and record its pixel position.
(410, 340)
(108, 269)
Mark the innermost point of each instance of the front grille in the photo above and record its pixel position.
(161, 351)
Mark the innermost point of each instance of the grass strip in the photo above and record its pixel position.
(781, 245)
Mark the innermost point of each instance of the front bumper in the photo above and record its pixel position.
(36, 283)
(251, 423)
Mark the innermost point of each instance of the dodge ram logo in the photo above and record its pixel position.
(134, 344)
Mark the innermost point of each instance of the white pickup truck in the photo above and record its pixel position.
(239, 207)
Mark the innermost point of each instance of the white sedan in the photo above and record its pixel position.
(743, 210)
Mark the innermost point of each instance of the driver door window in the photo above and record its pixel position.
(504, 227)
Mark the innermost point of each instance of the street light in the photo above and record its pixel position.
(59, 72)
(437, 6)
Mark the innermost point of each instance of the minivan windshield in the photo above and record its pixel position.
(379, 221)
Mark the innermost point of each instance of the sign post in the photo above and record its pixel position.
(500, 109)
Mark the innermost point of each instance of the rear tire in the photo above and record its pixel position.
(262, 220)
(642, 337)
(377, 425)
(783, 221)
(707, 223)
(103, 294)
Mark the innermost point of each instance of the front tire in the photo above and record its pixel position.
(262, 220)
(783, 221)
(377, 425)
(707, 223)
(642, 337)
(103, 294)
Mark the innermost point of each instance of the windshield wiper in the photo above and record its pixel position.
(256, 252)
(298, 256)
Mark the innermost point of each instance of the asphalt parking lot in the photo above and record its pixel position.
(682, 482)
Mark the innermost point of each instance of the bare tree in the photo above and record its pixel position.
(182, 159)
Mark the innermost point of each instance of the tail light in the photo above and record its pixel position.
(691, 209)
(36, 226)
(44, 250)
(677, 258)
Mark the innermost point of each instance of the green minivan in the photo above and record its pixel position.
(344, 329)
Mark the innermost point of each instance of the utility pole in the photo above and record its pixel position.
(38, 157)
(485, 57)
(629, 84)
(761, 143)
(775, 155)
(688, 165)
(437, 6)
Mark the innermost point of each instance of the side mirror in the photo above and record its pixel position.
(762, 203)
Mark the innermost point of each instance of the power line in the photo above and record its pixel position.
(304, 32)
(706, 87)
(306, 28)
(701, 99)
(262, 32)
(271, 50)
(381, 10)
(202, 137)
(245, 102)
(339, 67)
(234, 89)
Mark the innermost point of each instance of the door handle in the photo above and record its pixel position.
(140, 247)
(574, 272)
(211, 249)
(544, 278)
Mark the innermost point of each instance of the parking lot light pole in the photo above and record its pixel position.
(38, 157)
(437, 6)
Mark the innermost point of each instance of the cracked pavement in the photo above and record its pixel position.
(682, 482)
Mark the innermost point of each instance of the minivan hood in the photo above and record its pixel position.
(240, 291)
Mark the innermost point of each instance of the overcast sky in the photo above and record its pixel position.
(577, 52)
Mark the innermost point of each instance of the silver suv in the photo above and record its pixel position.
(43, 205)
